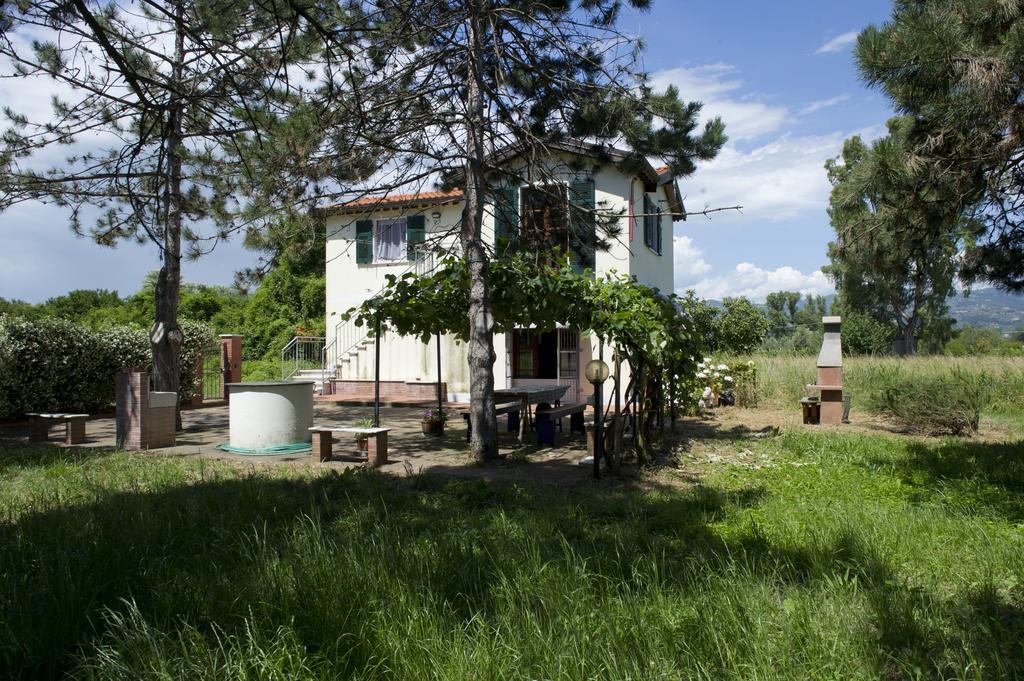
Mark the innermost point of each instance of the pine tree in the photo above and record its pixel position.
(955, 66)
(185, 124)
(897, 235)
(458, 87)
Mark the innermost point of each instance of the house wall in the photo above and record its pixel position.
(350, 283)
(647, 265)
(408, 359)
(630, 257)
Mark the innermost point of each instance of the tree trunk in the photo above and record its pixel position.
(481, 335)
(909, 338)
(166, 337)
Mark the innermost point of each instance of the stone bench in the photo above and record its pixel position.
(510, 408)
(547, 417)
(39, 424)
(376, 444)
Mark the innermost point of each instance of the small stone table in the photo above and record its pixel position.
(376, 444)
(39, 424)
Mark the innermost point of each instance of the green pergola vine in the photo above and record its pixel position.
(649, 331)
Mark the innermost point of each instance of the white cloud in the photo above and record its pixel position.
(838, 44)
(774, 174)
(717, 86)
(773, 182)
(823, 104)
(752, 282)
(689, 260)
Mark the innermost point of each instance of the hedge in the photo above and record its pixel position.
(57, 365)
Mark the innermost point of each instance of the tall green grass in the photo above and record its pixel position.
(781, 380)
(844, 556)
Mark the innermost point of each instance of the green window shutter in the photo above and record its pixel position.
(506, 218)
(583, 221)
(658, 228)
(364, 242)
(416, 234)
(650, 224)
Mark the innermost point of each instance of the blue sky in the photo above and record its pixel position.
(780, 74)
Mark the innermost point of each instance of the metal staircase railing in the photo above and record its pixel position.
(301, 352)
(348, 337)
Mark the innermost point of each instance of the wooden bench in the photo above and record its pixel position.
(510, 408)
(547, 417)
(376, 444)
(39, 424)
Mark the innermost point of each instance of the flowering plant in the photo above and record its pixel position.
(434, 416)
(715, 380)
(745, 386)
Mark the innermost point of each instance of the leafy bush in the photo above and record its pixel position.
(802, 342)
(54, 364)
(864, 335)
(741, 326)
(950, 404)
(971, 340)
(746, 390)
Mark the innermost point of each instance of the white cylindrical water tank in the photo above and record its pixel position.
(272, 414)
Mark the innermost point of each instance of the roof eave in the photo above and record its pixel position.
(675, 198)
(382, 206)
(624, 160)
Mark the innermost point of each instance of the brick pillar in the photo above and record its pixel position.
(322, 444)
(231, 351)
(132, 403)
(377, 450)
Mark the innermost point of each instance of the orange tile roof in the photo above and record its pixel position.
(661, 170)
(394, 201)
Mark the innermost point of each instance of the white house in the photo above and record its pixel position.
(370, 238)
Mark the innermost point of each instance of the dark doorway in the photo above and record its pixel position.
(534, 354)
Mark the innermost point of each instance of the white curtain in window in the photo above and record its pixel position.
(389, 240)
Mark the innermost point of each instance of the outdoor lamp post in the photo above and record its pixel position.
(596, 372)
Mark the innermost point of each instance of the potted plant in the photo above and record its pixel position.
(432, 422)
(362, 439)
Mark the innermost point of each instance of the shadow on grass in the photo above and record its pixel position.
(689, 431)
(19, 454)
(199, 552)
(977, 476)
(327, 556)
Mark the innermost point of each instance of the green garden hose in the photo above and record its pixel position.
(277, 450)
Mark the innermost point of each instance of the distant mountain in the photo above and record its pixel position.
(984, 307)
(989, 307)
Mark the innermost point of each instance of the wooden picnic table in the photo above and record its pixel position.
(528, 395)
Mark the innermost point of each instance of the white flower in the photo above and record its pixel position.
(707, 394)
(727, 379)
(700, 404)
(702, 374)
(707, 360)
(722, 367)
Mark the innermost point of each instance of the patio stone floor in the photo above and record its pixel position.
(409, 450)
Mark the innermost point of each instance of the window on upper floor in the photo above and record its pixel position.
(389, 240)
(652, 225)
(545, 211)
(547, 219)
